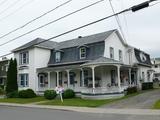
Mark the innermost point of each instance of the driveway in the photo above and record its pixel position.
(141, 101)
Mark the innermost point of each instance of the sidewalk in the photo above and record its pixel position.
(89, 110)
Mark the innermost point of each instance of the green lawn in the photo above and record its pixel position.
(69, 102)
(22, 100)
(157, 105)
(84, 103)
(78, 102)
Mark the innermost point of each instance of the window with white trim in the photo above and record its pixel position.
(120, 56)
(111, 49)
(58, 56)
(82, 52)
(24, 58)
(42, 80)
(23, 80)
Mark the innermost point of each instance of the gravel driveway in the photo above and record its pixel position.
(141, 101)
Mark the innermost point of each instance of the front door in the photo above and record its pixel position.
(72, 78)
(113, 77)
(133, 77)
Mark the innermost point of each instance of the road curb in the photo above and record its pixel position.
(88, 110)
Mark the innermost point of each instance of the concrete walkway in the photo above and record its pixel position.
(141, 101)
(89, 110)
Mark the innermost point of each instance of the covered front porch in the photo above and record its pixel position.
(89, 80)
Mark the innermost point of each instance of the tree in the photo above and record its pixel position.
(11, 84)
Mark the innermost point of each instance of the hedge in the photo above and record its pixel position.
(147, 85)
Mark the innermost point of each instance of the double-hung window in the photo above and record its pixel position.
(58, 56)
(82, 52)
(24, 58)
(23, 80)
(111, 52)
(120, 56)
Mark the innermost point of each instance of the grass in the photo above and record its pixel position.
(71, 102)
(22, 100)
(88, 103)
(78, 102)
(157, 105)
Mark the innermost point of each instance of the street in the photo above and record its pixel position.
(21, 113)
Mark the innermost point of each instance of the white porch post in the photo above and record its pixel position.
(82, 77)
(49, 80)
(93, 78)
(68, 78)
(118, 76)
(130, 77)
(57, 72)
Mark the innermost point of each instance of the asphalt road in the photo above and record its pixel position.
(20, 113)
(141, 101)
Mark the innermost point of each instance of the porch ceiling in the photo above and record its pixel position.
(58, 68)
(103, 61)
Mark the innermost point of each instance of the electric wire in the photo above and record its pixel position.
(17, 10)
(50, 22)
(94, 22)
(34, 19)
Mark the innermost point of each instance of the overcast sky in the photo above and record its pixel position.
(141, 29)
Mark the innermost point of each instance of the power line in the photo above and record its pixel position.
(51, 22)
(17, 10)
(91, 23)
(34, 19)
(118, 21)
(10, 6)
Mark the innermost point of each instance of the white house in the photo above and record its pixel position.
(156, 68)
(95, 66)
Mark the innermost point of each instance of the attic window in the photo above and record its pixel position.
(82, 52)
(58, 56)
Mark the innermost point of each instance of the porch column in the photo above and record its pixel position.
(93, 78)
(82, 77)
(118, 76)
(68, 78)
(130, 82)
(49, 80)
(57, 72)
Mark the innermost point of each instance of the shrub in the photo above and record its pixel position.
(69, 93)
(1, 91)
(29, 93)
(131, 90)
(147, 85)
(13, 94)
(50, 94)
(2, 86)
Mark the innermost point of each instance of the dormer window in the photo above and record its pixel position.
(111, 52)
(120, 56)
(24, 58)
(58, 56)
(82, 52)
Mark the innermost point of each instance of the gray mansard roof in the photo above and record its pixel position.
(66, 44)
(84, 40)
(34, 43)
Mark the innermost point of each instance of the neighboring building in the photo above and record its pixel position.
(96, 66)
(156, 68)
(3, 70)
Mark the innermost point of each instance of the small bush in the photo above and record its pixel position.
(13, 94)
(50, 94)
(29, 93)
(1, 91)
(69, 93)
(131, 90)
(2, 86)
(147, 85)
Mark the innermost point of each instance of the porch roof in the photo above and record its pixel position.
(59, 68)
(102, 61)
